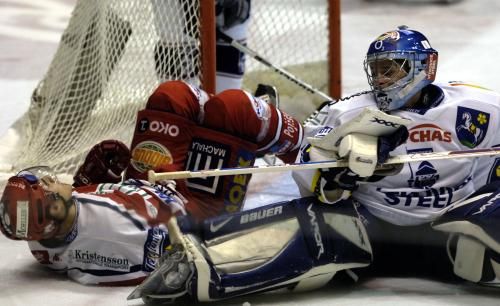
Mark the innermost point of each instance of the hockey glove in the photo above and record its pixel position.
(231, 12)
(104, 164)
(388, 143)
(340, 178)
(366, 152)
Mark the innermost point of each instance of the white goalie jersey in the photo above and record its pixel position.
(461, 117)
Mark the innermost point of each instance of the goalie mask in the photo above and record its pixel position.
(25, 205)
(398, 65)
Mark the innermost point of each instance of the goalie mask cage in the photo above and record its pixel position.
(114, 53)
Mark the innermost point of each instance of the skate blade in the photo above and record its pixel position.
(152, 280)
(151, 284)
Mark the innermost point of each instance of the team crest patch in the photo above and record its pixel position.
(426, 176)
(471, 126)
(494, 174)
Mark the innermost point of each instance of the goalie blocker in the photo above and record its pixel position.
(298, 245)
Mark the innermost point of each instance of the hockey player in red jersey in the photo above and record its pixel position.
(105, 231)
(184, 128)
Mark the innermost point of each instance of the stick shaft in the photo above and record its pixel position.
(278, 69)
(399, 159)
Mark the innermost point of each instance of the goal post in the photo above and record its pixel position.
(334, 49)
(114, 53)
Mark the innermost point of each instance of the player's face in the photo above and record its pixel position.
(386, 72)
(57, 193)
(57, 210)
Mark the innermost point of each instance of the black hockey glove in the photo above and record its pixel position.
(231, 12)
(340, 178)
(387, 144)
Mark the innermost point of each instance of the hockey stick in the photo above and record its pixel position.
(399, 159)
(328, 100)
(283, 72)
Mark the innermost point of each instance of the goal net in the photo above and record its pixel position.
(114, 53)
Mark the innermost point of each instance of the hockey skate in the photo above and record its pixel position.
(169, 281)
(269, 94)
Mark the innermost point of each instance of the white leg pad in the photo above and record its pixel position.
(469, 258)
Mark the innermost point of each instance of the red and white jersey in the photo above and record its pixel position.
(462, 117)
(184, 128)
(117, 239)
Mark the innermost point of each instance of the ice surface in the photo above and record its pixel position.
(466, 35)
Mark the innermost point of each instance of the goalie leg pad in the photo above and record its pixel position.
(476, 223)
(298, 245)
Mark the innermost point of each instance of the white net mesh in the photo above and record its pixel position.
(292, 34)
(111, 57)
(114, 53)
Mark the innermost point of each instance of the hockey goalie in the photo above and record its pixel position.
(432, 219)
(193, 241)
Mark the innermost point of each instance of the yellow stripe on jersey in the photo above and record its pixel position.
(470, 85)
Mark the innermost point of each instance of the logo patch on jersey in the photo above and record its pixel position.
(92, 258)
(323, 131)
(494, 174)
(155, 244)
(148, 155)
(158, 127)
(428, 198)
(471, 126)
(205, 154)
(259, 106)
(428, 133)
(425, 176)
(239, 183)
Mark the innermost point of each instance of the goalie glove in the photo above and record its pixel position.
(366, 152)
(333, 184)
(365, 141)
(104, 164)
